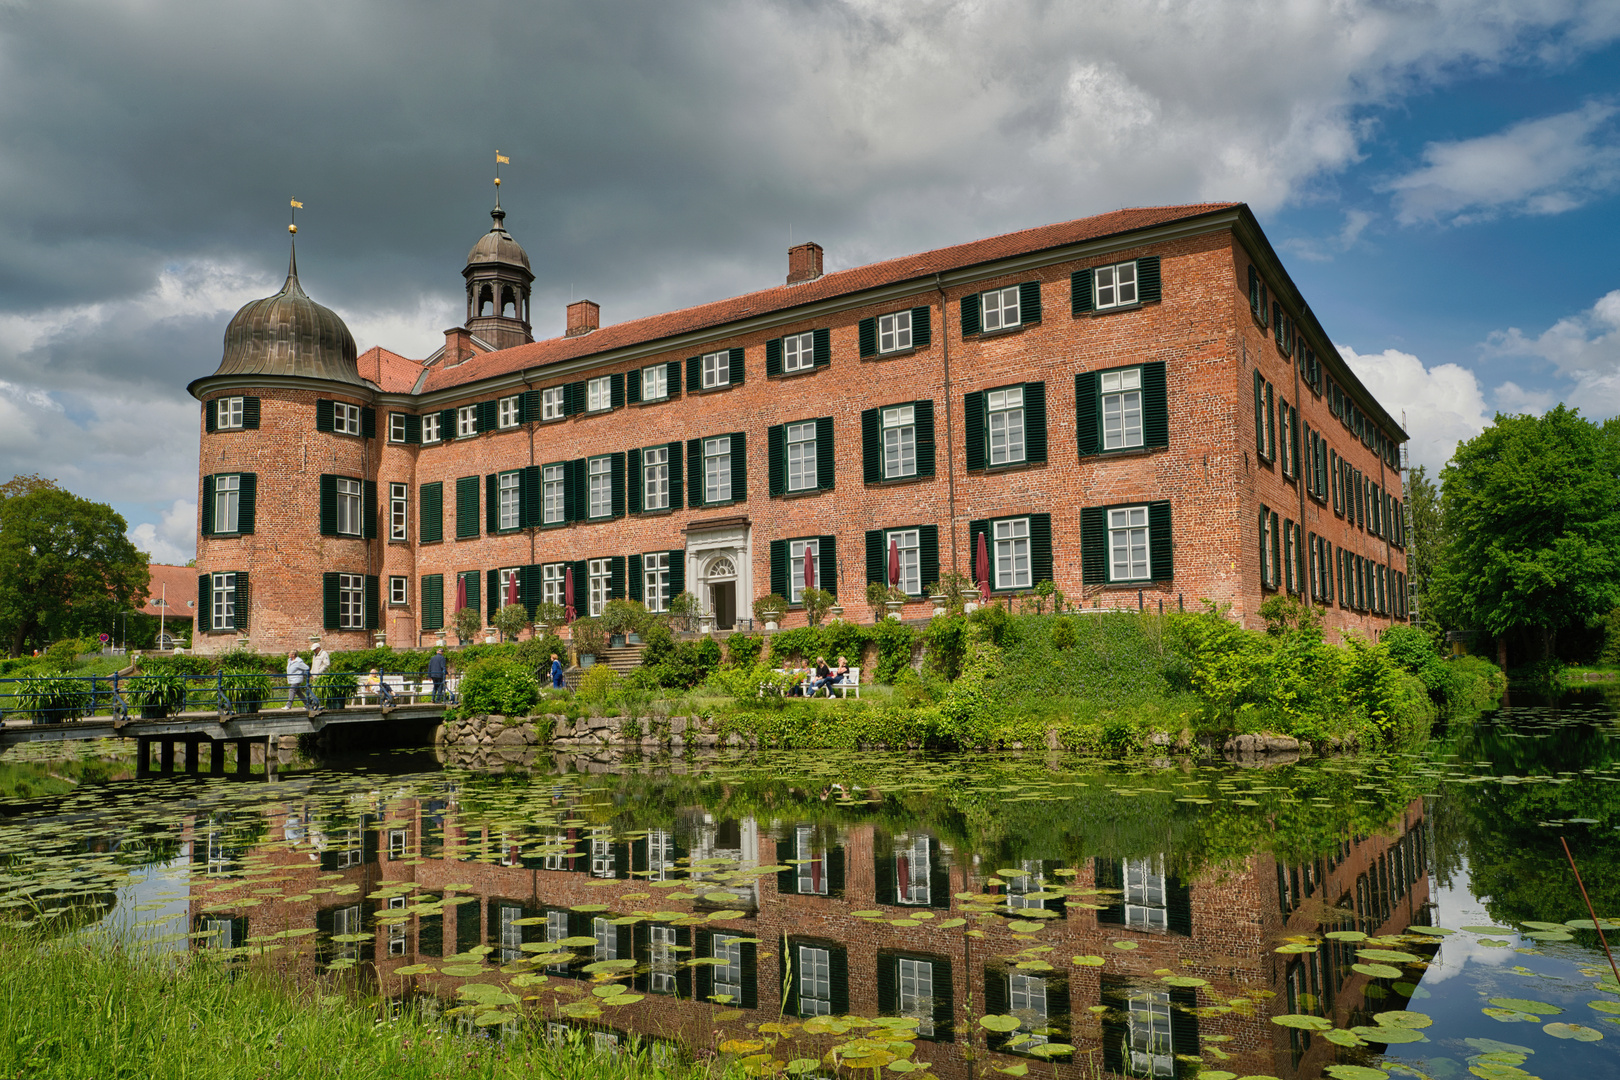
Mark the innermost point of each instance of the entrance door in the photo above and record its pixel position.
(723, 595)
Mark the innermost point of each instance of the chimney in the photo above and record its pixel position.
(804, 263)
(583, 317)
(458, 346)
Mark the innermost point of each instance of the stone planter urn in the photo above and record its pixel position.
(438, 640)
(894, 607)
(380, 638)
(706, 623)
(539, 629)
(243, 642)
(491, 635)
(836, 613)
(939, 601)
(970, 600)
(773, 619)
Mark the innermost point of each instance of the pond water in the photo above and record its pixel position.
(1403, 914)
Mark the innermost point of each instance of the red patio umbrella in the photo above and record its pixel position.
(461, 591)
(511, 589)
(809, 569)
(981, 568)
(894, 561)
(568, 594)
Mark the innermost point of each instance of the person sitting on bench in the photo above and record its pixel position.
(374, 686)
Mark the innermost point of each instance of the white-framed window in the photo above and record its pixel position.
(228, 413)
(508, 496)
(1114, 286)
(1011, 543)
(398, 499)
(801, 456)
(798, 551)
(351, 602)
(227, 503)
(728, 976)
(430, 427)
(812, 862)
(655, 383)
(345, 418)
(661, 855)
(553, 402)
(511, 933)
(894, 332)
(556, 930)
(1128, 545)
(600, 580)
(346, 923)
(1148, 1021)
(553, 479)
(916, 993)
(655, 478)
(907, 543)
(661, 959)
(599, 394)
(607, 938)
(600, 473)
(717, 470)
(508, 411)
(998, 308)
(1020, 888)
(396, 427)
(1026, 999)
(466, 421)
(799, 352)
(1145, 904)
(604, 864)
(1006, 424)
(899, 442)
(1121, 408)
(655, 580)
(224, 602)
(913, 865)
(396, 590)
(348, 507)
(717, 369)
(398, 848)
(511, 585)
(553, 583)
(815, 981)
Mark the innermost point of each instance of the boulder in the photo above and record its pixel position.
(1054, 741)
(513, 736)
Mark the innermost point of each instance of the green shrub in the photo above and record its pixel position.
(502, 686)
(246, 691)
(158, 694)
(597, 684)
(334, 688)
(1063, 634)
(742, 650)
(511, 620)
(679, 665)
(946, 641)
(535, 654)
(51, 698)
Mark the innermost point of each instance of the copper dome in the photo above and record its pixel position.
(290, 334)
(497, 246)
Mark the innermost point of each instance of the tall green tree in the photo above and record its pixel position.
(66, 567)
(1532, 508)
(1425, 545)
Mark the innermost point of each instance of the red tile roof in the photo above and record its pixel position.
(392, 372)
(182, 591)
(782, 297)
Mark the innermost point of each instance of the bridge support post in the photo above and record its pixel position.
(143, 756)
(244, 757)
(216, 757)
(193, 756)
(271, 753)
(166, 756)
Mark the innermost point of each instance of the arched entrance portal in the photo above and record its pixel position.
(720, 576)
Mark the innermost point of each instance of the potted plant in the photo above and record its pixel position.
(589, 640)
(334, 688)
(768, 610)
(468, 620)
(510, 621)
(939, 598)
(619, 618)
(816, 602)
(547, 615)
(895, 601)
(157, 695)
(245, 691)
(682, 608)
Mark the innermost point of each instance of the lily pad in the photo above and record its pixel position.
(1404, 1018)
(1540, 1008)
(1578, 1032)
(1340, 1037)
(1377, 971)
(999, 1022)
(1303, 1022)
(1355, 1072)
(1510, 1016)
(1090, 961)
(1388, 1033)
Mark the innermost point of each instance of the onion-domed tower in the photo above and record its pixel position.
(287, 500)
(498, 285)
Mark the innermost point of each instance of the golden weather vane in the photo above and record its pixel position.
(500, 159)
(292, 226)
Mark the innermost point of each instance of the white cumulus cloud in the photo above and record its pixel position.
(1584, 348)
(1442, 405)
(173, 539)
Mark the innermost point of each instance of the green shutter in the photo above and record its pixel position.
(1081, 285)
(210, 416)
(877, 558)
(823, 346)
(1040, 548)
(636, 586)
(1148, 289)
(776, 444)
(694, 374)
(1155, 405)
(447, 425)
(976, 529)
(973, 417)
(248, 503)
(633, 467)
(328, 504)
(970, 314)
(1276, 548)
(871, 447)
(773, 358)
(206, 524)
(576, 500)
(824, 453)
(1094, 545)
(368, 509)
(486, 416)
(672, 378)
(928, 555)
(430, 519)
(372, 599)
(868, 336)
(739, 467)
(494, 595)
(1087, 419)
(1271, 424)
(616, 575)
(433, 602)
(779, 567)
(887, 984)
(632, 389)
(250, 413)
(677, 572)
(827, 563)
(413, 429)
(1259, 415)
(329, 600)
(242, 602)
(616, 389)
(466, 507)
(574, 398)
(529, 588)
(1277, 323)
(323, 415)
(1035, 421)
(1029, 302)
(676, 479)
(492, 510)
(368, 423)
(1265, 571)
(529, 407)
(922, 327)
(923, 416)
(1161, 562)
(205, 602)
(694, 468)
(531, 501)
(737, 366)
(618, 484)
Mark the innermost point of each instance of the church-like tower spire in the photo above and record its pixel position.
(498, 283)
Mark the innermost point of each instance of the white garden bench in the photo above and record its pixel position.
(849, 681)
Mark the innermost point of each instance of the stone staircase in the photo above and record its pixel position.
(623, 660)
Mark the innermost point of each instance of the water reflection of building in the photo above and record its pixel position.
(795, 929)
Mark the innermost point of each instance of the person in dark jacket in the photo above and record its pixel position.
(438, 671)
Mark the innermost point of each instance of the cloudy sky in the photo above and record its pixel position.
(1441, 177)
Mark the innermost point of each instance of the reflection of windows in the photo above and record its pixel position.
(661, 959)
(916, 993)
(1020, 887)
(396, 931)
(603, 864)
(217, 933)
(397, 840)
(350, 851)
(814, 981)
(912, 867)
(728, 977)
(1148, 1024)
(556, 859)
(346, 922)
(1026, 999)
(813, 870)
(556, 930)
(1145, 906)
(660, 855)
(607, 939)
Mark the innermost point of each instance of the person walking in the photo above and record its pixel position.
(298, 682)
(556, 672)
(319, 661)
(438, 671)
